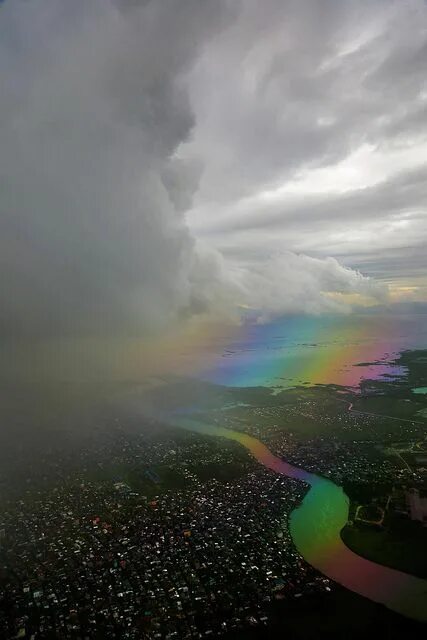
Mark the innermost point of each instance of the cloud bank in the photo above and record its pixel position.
(314, 117)
(110, 133)
(93, 236)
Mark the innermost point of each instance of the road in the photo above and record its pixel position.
(378, 415)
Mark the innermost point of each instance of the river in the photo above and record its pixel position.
(316, 532)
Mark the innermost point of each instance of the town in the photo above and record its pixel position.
(150, 531)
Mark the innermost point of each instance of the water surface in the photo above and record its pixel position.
(316, 531)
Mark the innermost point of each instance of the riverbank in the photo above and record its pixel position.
(316, 532)
(400, 546)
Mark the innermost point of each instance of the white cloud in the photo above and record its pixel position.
(290, 283)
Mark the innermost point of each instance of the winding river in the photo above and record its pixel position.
(316, 526)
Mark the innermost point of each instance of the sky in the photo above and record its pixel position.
(166, 160)
(314, 119)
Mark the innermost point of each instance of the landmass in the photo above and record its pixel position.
(144, 530)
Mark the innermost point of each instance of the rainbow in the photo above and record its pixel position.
(312, 351)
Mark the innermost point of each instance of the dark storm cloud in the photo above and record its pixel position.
(115, 115)
(92, 234)
(285, 68)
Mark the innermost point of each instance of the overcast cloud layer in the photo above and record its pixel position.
(314, 118)
(163, 159)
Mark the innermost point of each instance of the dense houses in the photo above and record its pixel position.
(158, 533)
(99, 559)
(350, 450)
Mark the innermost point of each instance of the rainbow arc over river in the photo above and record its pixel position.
(316, 524)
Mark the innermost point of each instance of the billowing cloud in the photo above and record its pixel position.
(290, 283)
(93, 236)
(115, 115)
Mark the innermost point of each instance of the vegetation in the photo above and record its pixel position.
(400, 545)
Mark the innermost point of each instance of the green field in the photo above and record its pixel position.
(401, 545)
